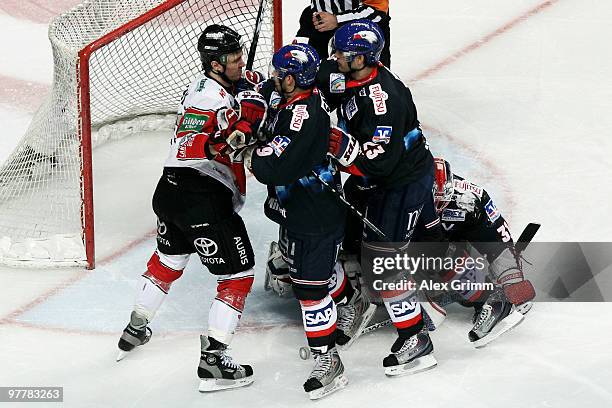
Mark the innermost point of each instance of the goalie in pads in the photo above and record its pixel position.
(197, 201)
(468, 214)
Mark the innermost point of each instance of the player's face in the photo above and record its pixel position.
(233, 67)
(343, 64)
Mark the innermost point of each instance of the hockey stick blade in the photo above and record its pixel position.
(526, 236)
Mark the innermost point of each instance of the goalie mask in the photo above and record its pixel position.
(443, 184)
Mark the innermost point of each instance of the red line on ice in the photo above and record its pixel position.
(21, 94)
(482, 41)
(38, 11)
(9, 319)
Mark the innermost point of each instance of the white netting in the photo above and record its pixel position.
(140, 73)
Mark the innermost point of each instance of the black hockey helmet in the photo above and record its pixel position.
(215, 43)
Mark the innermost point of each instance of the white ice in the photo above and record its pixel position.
(518, 102)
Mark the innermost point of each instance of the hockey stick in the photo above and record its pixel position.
(521, 244)
(358, 213)
(526, 236)
(253, 48)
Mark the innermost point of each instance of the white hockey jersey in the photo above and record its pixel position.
(205, 108)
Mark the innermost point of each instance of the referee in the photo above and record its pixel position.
(319, 21)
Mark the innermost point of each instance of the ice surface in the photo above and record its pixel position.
(517, 96)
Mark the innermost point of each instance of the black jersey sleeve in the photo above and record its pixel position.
(293, 151)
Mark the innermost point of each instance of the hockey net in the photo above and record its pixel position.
(113, 60)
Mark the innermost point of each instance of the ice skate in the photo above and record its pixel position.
(135, 334)
(353, 318)
(327, 376)
(217, 370)
(496, 317)
(411, 355)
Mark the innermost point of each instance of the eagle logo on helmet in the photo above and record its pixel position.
(369, 36)
(298, 55)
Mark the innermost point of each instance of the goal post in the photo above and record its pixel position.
(113, 60)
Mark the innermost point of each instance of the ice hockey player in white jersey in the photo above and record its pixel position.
(197, 201)
(468, 214)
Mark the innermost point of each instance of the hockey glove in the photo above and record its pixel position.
(250, 80)
(253, 108)
(342, 146)
(233, 134)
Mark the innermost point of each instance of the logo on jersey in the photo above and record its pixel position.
(241, 250)
(320, 319)
(382, 134)
(205, 246)
(192, 122)
(403, 308)
(351, 108)
(467, 186)
(279, 144)
(453, 215)
(300, 114)
(337, 82)
(378, 97)
(161, 227)
(492, 211)
(275, 99)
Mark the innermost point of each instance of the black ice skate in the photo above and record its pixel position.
(353, 318)
(218, 371)
(496, 317)
(135, 334)
(327, 376)
(411, 355)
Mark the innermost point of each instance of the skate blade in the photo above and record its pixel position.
(524, 308)
(121, 355)
(218, 384)
(415, 366)
(339, 382)
(512, 320)
(367, 317)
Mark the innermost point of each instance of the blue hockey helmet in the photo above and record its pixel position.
(299, 60)
(359, 37)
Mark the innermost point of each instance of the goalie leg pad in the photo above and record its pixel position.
(277, 272)
(519, 293)
(228, 305)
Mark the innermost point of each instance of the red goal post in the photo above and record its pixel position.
(113, 59)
